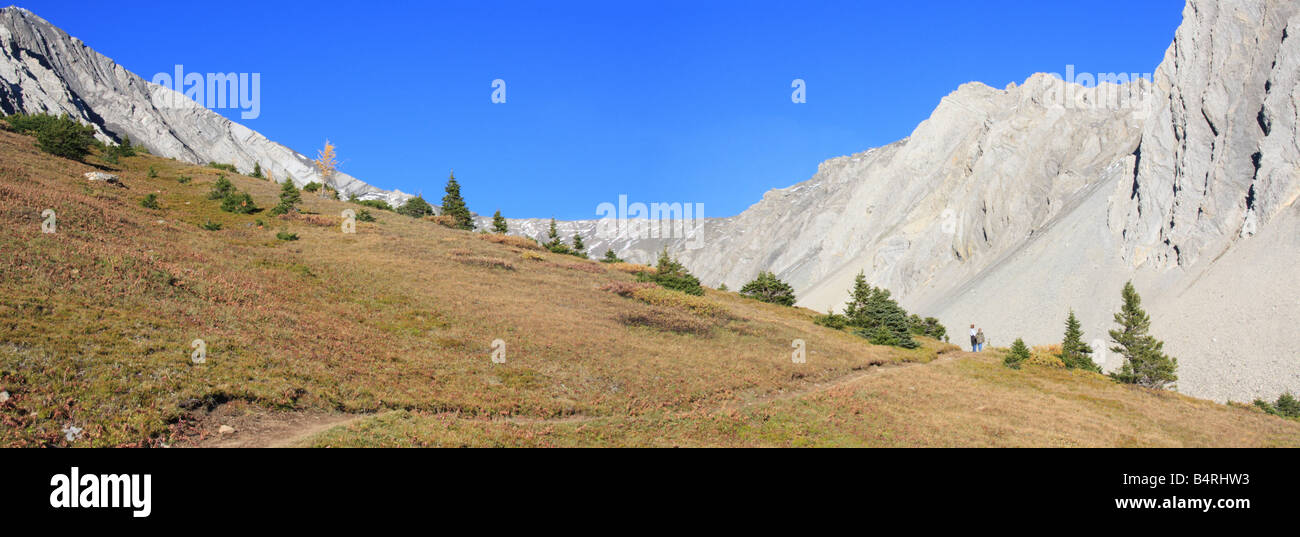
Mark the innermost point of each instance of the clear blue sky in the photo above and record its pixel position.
(660, 100)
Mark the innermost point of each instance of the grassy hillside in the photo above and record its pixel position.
(386, 336)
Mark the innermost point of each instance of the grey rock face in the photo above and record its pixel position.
(1219, 153)
(44, 70)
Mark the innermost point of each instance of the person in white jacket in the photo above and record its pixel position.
(974, 346)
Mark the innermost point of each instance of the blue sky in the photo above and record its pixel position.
(666, 101)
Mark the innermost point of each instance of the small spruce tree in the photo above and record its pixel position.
(855, 309)
(289, 198)
(499, 224)
(65, 137)
(671, 274)
(768, 288)
(257, 170)
(125, 149)
(454, 206)
(1074, 352)
(416, 208)
(553, 235)
(610, 257)
(877, 316)
(239, 203)
(1288, 406)
(1145, 362)
(1019, 353)
(221, 188)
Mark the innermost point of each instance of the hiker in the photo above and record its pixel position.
(974, 345)
(979, 340)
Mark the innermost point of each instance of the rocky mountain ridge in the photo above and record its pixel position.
(45, 70)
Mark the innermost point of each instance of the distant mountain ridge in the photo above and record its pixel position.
(45, 70)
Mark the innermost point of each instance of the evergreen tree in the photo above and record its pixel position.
(65, 137)
(1288, 406)
(257, 170)
(1074, 352)
(1145, 362)
(768, 288)
(454, 206)
(877, 316)
(1019, 353)
(935, 329)
(499, 224)
(886, 323)
(239, 203)
(221, 188)
(289, 198)
(578, 245)
(610, 257)
(832, 320)
(554, 235)
(722, 287)
(416, 208)
(671, 274)
(556, 245)
(858, 300)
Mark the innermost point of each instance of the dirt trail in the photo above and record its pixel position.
(850, 378)
(255, 428)
(261, 429)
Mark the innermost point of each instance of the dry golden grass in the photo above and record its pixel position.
(443, 220)
(588, 267)
(626, 288)
(631, 268)
(668, 321)
(658, 296)
(964, 401)
(96, 323)
(96, 320)
(1046, 356)
(486, 262)
(512, 240)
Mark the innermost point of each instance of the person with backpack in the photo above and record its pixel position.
(979, 340)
